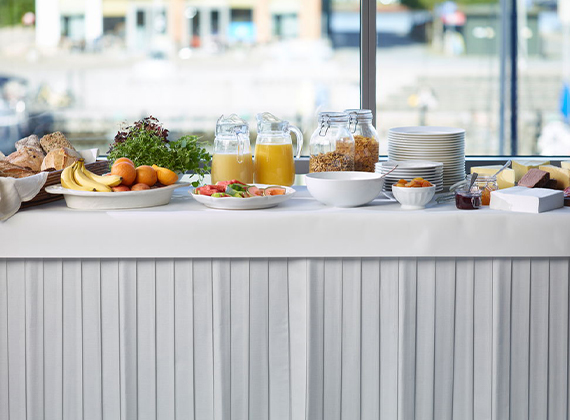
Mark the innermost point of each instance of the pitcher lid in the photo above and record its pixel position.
(231, 125)
(266, 121)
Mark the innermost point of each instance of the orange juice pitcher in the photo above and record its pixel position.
(232, 152)
(274, 160)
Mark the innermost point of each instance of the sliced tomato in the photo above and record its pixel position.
(218, 188)
(226, 183)
(205, 190)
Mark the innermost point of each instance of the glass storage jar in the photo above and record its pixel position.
(332, 144)
(366, 146)
(486, 184)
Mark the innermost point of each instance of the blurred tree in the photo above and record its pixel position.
(429, 4)
(11, 11)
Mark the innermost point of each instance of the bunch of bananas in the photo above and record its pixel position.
(78, 177)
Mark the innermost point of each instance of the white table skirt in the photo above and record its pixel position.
(302, 339)
(301, 227)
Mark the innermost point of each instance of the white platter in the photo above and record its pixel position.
(87, 200)
(251, 203)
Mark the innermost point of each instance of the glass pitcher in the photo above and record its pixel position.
(232, 152)
(274, 162)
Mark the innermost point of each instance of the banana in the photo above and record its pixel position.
(109, 180)
(82, 179)
(67, 180)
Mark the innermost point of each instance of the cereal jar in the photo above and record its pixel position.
(365, 139)
(332, 144)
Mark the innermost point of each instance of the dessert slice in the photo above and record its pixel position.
(534, 178)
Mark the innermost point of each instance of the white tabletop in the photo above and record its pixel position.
(300, 227)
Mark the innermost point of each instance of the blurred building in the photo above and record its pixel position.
(173, 24)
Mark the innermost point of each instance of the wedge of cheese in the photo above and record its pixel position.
(505, 179)
(561, 175)
(521, 167)
(565, 164)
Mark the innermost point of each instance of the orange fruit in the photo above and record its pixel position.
(124, 159)
(126, 171)
(165, 175)
(140, 187)
(146, 175)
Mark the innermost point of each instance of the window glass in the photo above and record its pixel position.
(544, 74)
(438, 64)
(84, 68)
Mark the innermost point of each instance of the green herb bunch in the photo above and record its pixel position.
(146, 143)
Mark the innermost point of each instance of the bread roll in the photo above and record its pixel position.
(30, 141)
(14, 171)
(2, 156)
(54, 141)
(60, 159)
(27, 157)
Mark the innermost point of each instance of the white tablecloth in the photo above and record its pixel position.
(301, 227)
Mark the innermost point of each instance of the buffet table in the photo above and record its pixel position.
(295, 312)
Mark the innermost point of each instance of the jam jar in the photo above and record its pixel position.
(486, 184)
(468, 200)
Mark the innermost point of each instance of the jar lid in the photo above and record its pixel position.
(359, 114)
(269, 122)
(231, 125)
(333, 117)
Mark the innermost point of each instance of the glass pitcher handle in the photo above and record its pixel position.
(240, 148)
(299, 136)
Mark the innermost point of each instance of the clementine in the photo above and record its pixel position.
(126, 171)
(146, 175)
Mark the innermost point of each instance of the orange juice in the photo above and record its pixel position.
(226, 167)
(274, 164)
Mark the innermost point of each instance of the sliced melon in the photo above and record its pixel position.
(254, 191)
(274, 191)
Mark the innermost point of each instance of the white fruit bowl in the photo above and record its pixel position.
(344, 189)
(413, 198)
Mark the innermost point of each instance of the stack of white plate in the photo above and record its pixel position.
(439, 144)
(408, 170)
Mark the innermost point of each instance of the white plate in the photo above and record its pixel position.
(250, 203)
(88, 200)
(427, 130)
(416, 164)
(426, 139)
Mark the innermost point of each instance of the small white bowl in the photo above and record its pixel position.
(413, 198)
(344, 189)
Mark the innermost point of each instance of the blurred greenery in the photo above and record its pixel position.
(429, 4)
(11, 11)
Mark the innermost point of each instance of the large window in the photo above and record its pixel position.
(494, 67)
(499, 68)
(86, 67)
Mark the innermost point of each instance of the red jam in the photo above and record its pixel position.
(465, 200)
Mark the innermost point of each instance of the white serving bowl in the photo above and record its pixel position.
(344, 189)
(413, 198)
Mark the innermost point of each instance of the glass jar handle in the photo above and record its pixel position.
(299, 136)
